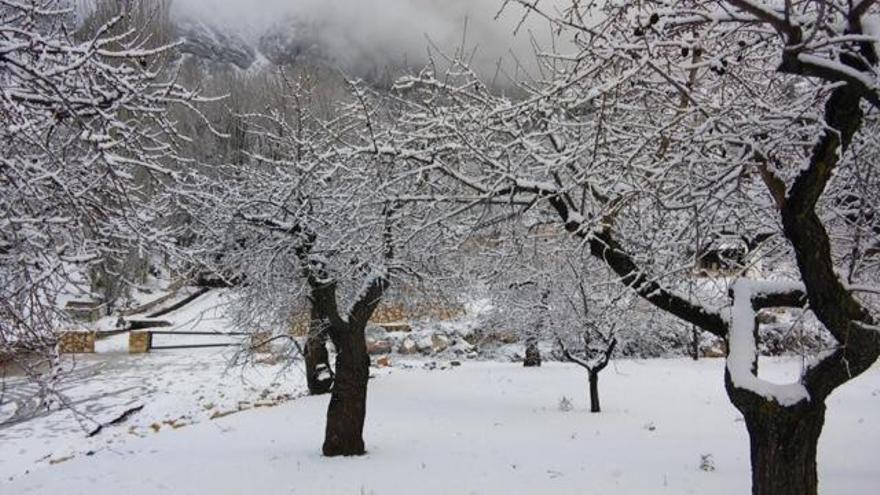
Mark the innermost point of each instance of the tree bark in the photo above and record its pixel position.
(594, 391)
(783, 441)
(319, 376)
(783, 448)
(348, 401)
(533, 354)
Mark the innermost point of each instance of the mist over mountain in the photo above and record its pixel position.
(360, 37)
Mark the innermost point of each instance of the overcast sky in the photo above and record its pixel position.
(396, 28)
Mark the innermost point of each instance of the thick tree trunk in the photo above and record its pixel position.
(533, 354)
(594, 392)
(783, 442)
(783, 448)
(348, 401)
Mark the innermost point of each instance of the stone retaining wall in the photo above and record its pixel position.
(139, 342)
(73, 342)
(391, 314)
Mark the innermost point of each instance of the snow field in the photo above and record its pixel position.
(487, 428)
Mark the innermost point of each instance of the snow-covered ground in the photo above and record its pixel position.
(478, 428)
(163, 390)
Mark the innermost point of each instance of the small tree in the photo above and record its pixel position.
(595, 328)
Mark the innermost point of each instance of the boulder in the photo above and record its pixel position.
(507, 337)
(378, 346)
(766, 317)
(425, 343)
(461, 347)
(714, 352)
(384, 362)
(408, 346)
(439, 342)
(376, 332)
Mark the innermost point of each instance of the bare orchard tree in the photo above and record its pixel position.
(588, 337)
(719, 117)
(315, 213)
(88, 150)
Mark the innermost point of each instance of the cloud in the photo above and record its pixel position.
(358, 32)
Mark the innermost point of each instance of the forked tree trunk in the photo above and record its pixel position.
(348, 400)
(594, 392)
(783, 442)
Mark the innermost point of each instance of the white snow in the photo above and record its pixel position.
(743, 348)
(481, 428)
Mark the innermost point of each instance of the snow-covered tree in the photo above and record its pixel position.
(314, 213)
(669, 127)
(587, 336)
(88, 153)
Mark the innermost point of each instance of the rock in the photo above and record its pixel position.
(714, 352)
(454, 363)
(384, 362)
(461, 347)
(766, 317)
(378, 346)
(507, 337)
(376, 332)
(466, 332)
(396, 327)
(439, 342)
(425, 343)
(408, 346)
(88, 311)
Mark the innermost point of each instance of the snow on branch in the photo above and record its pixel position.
(743, 356)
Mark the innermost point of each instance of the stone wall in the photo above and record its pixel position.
(73, 342)
(86, 311)
(390, 315)
(139, 342)
(260, 342)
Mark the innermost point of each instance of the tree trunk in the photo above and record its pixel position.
(533, 354)
(783, 449)
(783, 441)
(319, 377)
(594, 392)
(348, 401)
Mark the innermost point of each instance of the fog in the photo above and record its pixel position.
(355, 32)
